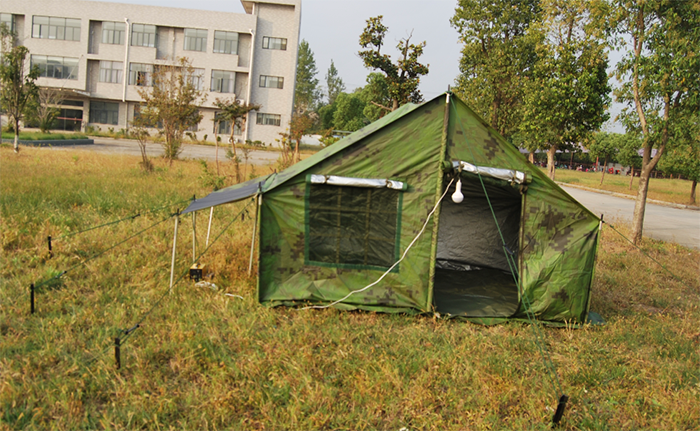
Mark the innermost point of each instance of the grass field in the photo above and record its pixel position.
(662, 189)
(205, 360)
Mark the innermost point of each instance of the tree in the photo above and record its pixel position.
(306, 93)
(349, 115)
(376, 96)
(566, 99)
(172, 103)
(334, 83)
(17, 87)
(235, 112)
(497, 58)
(43, 111)
(404, 76)
(659, 77)
(684, 157)
(627, 154)
(605, 145)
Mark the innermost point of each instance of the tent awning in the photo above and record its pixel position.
(227, 195)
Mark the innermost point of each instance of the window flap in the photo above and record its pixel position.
(333, 180)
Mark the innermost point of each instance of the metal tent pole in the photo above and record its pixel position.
(172, 264)
(194, 237)
(252, 240)
(211, 214)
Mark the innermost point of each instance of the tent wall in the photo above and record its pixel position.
(558, 248)
(408, 151)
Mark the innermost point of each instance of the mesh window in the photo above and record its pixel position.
(352, 226)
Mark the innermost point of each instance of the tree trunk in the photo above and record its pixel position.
(394, 104)
(631, 177)
(640, 204)
(692, 191)
(16, 147)
(531, 157)
(605, 168)
(550, 161)
(296, 151)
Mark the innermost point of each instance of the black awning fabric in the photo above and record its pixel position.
(227, 195)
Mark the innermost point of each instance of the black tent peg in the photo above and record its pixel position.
(117, 352)
(560, 410)
(31, 298)
(50, 249)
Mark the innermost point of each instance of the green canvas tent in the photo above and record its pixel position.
(340, 220)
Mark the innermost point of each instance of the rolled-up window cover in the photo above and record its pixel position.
(333, 180)
(509, 175)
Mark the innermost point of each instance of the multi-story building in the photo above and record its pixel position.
(100, 55)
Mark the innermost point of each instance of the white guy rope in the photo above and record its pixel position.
(392, 266)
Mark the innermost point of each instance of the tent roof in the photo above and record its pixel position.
(264, 184)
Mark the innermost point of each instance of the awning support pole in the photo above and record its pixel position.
(211, 214)
(172, 264)
(194, 237)
(252, 240)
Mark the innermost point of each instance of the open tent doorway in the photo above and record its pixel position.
(472, 274)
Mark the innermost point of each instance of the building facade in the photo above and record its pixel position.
(100, 54)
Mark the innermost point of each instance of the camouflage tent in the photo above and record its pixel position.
(340, 220)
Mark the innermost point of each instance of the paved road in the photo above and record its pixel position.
(190, 151)
(681, 226)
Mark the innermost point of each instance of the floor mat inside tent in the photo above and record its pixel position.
(480, 293)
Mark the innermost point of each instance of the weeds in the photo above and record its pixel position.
(205, 360)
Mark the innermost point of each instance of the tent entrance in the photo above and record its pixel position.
(472, 275)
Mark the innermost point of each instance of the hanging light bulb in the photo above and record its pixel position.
(457, 196)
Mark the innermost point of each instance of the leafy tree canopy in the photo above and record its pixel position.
(403, 76)
(307, 94)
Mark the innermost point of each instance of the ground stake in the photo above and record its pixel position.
(560, 410)
(117, 353)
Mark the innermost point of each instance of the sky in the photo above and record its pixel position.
(332, 28)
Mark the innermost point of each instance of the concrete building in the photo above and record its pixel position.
(100, 55)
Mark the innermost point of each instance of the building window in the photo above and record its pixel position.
(56, 67)
(225, 42)
(49, 27)
(225, 128)
(141, 74)
(269, 119)
(197, 79)
(143, 35)
(111, 71)
(104, 113)
(113, 32)
(274, 43)
(195, 40)
(9, 20)
(222, 81)
(271, 81)
(352, 226)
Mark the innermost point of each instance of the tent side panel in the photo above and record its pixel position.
(559, 248)
(408, 150)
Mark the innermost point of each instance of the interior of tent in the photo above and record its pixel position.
(473, 276)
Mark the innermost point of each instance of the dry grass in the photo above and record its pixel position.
(662, 189)
(205, 360)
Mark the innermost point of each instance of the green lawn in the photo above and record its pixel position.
(205, 360)
(39, 136)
